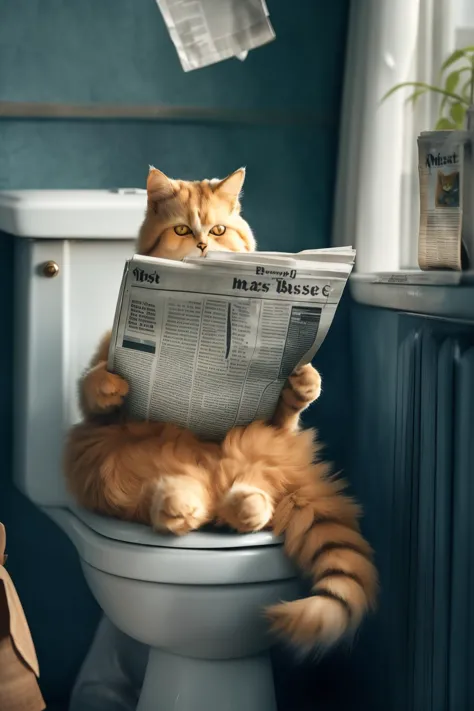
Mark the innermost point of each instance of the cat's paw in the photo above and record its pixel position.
(303, 387)
(246, 508)
(103, 391)
(178, 505)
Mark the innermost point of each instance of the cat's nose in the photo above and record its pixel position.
(202, 246)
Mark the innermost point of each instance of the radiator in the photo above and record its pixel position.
(431, 594)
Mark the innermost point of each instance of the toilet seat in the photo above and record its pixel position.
(143, 535)
(213, 559)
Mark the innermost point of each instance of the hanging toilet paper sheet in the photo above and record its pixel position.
(205, 32)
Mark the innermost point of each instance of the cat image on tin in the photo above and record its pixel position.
(447, 189)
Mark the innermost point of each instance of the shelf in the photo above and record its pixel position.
(446, 295)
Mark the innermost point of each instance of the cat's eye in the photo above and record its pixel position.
(218, 230)
(182, 230)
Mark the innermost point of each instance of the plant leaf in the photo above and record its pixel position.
(445, 100)
(466, 89)
(443, 123)
(461, 70)
(423, 85)
(458, 113)
(450, 85)
(403, 85)
(452, 80)
(416, 94)
(457, 54)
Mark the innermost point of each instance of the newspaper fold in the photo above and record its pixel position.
(208, 343)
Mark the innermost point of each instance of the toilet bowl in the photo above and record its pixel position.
(197, 602)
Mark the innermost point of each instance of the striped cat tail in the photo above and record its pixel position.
(322, 535)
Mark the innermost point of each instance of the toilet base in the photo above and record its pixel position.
(174, 683)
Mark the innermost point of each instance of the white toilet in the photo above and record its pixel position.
(197, 602)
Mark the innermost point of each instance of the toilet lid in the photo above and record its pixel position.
(143, 535)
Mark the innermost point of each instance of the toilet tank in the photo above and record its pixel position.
(70, 250)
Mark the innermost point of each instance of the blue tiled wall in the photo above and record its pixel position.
(117, 51)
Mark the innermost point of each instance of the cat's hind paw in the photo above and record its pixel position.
(246, 508)
(178, 505)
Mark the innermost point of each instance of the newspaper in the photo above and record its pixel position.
(446, 239)
(208, 343)
(205, 31)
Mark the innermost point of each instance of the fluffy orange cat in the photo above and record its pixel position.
(261, 476)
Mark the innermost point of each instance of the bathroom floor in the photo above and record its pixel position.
(308, 705)
(299, 700)
(328, 685)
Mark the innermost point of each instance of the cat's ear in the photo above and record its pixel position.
(159, 186)
(232, 185)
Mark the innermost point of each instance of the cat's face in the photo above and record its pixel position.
(447, 181)
(187, 218)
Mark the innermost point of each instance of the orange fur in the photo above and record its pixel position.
(261, 476)
(119, 470)
(319, 522)
(199, 205)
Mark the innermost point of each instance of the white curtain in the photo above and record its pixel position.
(376, 201)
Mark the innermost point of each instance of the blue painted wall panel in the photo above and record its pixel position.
(287, 201)
(119, 51)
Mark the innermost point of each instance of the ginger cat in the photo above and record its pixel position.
(261, 476)
(447, 189)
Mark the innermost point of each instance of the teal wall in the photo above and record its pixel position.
(117, 51)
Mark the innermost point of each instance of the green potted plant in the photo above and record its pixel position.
(457, 89)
